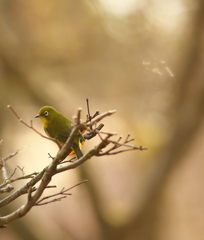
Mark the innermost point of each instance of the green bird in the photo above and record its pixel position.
(59, 127)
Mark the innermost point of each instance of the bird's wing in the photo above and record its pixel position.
(63, 135)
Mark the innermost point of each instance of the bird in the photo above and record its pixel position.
(57, 126)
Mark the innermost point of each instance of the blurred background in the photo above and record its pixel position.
(143, 58)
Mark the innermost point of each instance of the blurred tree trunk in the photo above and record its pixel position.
(188, 111)
(186, 114)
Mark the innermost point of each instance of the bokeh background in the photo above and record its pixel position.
(143, 58)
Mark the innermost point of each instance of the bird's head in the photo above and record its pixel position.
(46, 113)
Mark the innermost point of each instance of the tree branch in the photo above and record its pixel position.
(62, 192)
(53, 168)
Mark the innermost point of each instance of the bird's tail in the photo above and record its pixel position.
(78, 151)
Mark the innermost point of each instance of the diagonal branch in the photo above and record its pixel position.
(62, 192)
(22, 190)
(9, 180)
(103, 115)
(45, 176)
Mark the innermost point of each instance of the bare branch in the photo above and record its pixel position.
(11, 175)
(1, 160)
(12, 154)
(45, 175)
(51, 201)
(92, 132)
(89, 117)
(98, 119)
(62, 192)
(22, 190)
(118, 144)
(7, 189)
(68, 161)
(21, 169)
(78, 116)
(34, 194)
(94, 152)
(50, 156)
(7, 181)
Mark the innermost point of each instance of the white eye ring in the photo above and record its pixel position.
(46, 113)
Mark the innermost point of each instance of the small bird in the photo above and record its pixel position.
(59, 127)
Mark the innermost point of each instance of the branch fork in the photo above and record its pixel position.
(45, 176)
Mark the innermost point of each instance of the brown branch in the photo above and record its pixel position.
(7, 181)
(89, 117)
(51, 201)
(11, 175)
(62, 192)
(85, 157)
(78, 116)
(12, 154)
(53, 168)
(97, 152)
(0, 151)
(45, 175)
(98, 119)
(21, 169)
(21, 190)
(90, 133)
(7, 189)
(118, 144)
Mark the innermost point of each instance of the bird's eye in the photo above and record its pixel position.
(46, 113)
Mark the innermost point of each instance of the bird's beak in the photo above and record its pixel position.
(39, 115)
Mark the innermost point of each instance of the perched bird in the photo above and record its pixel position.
(59, 127)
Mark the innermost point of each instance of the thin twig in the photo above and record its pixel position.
(22, 190)
(90, 133)
(77, 118)
(11, 174)
(51, 201)
(100, 117)
(45, 176)
(21, 169)
(9, 180)
(7, 189)
(117, 144)
(68, 161)
(110, 134)
(89, 117)
(49, 155)
(1, 160)
(62, 192)
(12, 154)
